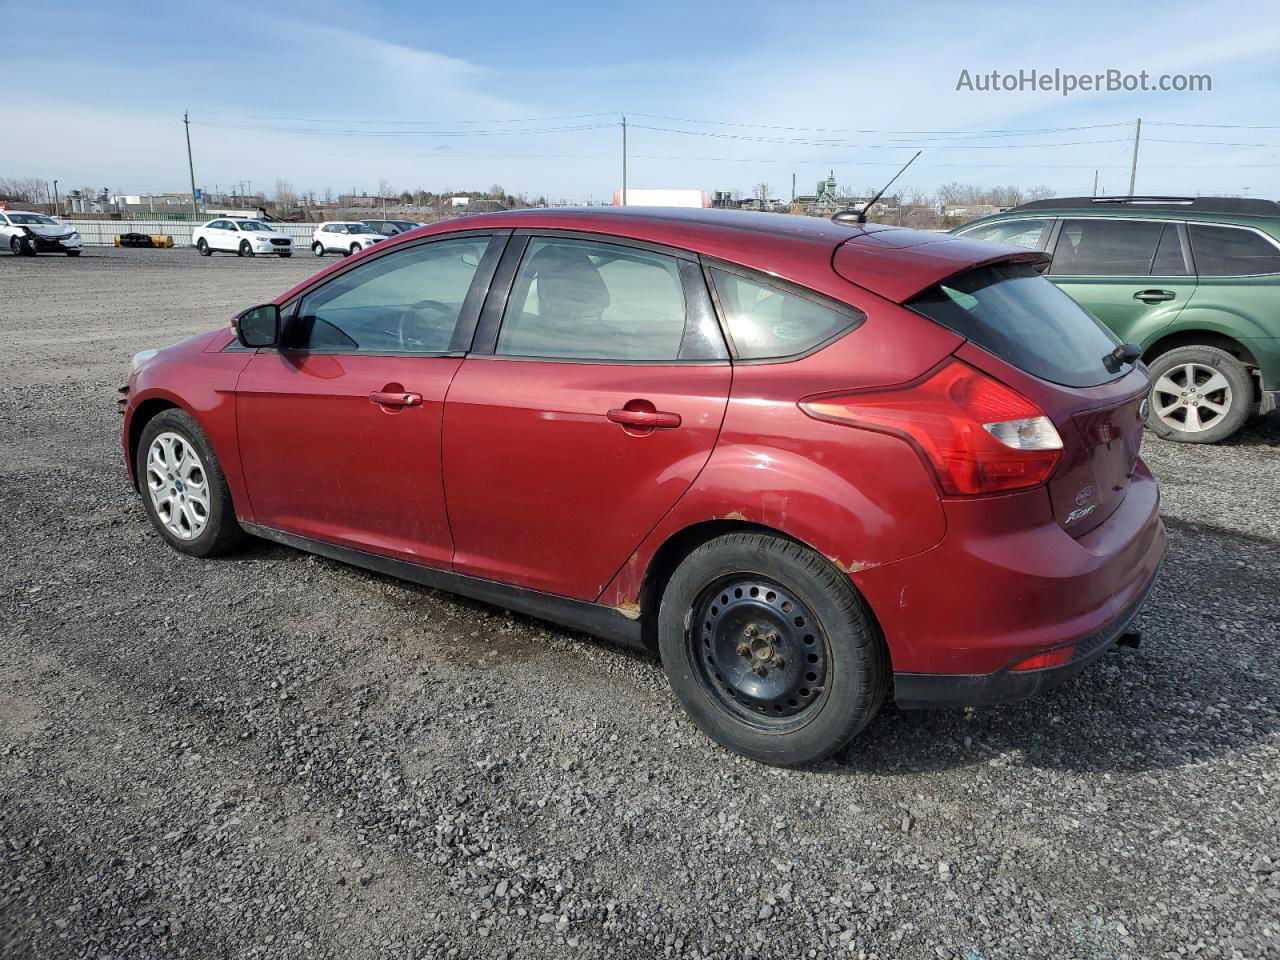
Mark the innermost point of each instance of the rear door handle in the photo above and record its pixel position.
(384, 398)
(1154, 296)
(644, 418)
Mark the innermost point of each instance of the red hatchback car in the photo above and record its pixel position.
(809, 464)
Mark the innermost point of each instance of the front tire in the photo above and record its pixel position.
(203, 247)
(770, 649)
(245, 249)
(73, 253)
(1199, 394)
(355, 248)
(19, 248)
(183, 488)
(318, 249)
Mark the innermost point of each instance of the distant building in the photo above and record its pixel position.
(642, 197)
(459, 201)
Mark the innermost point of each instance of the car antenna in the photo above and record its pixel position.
(860, 216)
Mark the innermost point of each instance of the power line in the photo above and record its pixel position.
(264, 116)
(878, 146)
(1012, 131)
(407, 133)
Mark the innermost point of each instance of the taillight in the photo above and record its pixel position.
(1041, 661)
(977, 434)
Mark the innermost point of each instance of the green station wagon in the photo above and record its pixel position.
(1195, 282)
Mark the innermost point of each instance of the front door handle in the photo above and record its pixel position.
(647, 419)
(387, 398)
(1154, 296)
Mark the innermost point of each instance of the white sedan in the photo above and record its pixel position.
(344, 237)
(26, 234)
(240, 236)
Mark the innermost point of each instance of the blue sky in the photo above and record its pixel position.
(345, 94)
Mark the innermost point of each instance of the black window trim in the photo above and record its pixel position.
(1229, 226)
(1182, 239)
(856, 317)
(697, 297)
(468, 316)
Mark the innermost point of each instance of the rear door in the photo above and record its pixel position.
(592, 399)
(1134, 275)
(339, 430)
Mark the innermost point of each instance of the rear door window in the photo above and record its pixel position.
(1106, 248)
(1012, 311)
(1232, 251)
(1021, 233)
(579, 299)
(768, 322)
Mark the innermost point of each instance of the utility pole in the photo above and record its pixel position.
(793, 187)
(624, 159)
(57, 207)
(191, 169)
(1133, 170)
(1095, 183)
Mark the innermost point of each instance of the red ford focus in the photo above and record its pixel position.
(811, 465)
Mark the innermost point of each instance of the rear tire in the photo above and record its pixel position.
(1199, 394)
(770, 649)
(245, 249)
(203, 486)
(203, 247)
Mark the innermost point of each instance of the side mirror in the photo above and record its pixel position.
(259, 326)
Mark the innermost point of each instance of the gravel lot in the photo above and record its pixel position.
(274, 755)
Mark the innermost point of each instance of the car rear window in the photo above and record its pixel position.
(1012, 311)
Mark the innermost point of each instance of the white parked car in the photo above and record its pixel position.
(343, 236)
(26, 234)
(240, 236)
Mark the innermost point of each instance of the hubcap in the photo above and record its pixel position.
(759, 650)
(178, 486)
(1191, 397)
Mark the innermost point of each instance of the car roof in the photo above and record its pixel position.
(1109, 206)
(893, 262)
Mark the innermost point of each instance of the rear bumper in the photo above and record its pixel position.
(1007, 583)
(917, 690)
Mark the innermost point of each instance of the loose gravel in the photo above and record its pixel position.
(274, 755)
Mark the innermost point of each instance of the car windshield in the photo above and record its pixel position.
(1015, 313)
(31, 218)
(252, 225)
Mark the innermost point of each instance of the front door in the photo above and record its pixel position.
(1133, 275)
(340, 428)
(599, 401)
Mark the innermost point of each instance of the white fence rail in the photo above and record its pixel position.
(103, 232)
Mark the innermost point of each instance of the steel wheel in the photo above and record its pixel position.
(178, 486)
(760, 652)
(1191, 397)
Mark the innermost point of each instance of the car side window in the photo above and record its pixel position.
(1106, 248)
(1231, 251)
(1169, 261)
(408, 301)
(767, 322)
(1021, 233)
(581, 299)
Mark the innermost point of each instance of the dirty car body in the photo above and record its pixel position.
(744, 441)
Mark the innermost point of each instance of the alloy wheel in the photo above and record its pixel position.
(759, 651)
(1191, 397)
(178, 485)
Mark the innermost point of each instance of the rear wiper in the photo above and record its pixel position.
(1125, 353)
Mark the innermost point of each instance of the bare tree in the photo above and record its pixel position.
(285, 197)
(384, 188)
